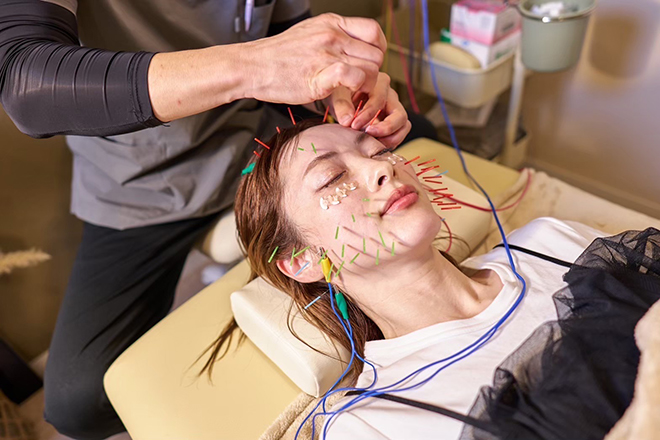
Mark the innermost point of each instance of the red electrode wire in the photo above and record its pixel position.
(450, 236)
(404, 63)
(436, 193)
(480, 208)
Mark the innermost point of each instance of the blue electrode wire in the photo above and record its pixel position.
(452, 134)
(350, 339)
(481, 341)
(354, 353)
(475, 346)
(469, 349)
(349, 332)
(490, 333)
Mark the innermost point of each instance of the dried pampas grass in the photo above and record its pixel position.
(20, 259)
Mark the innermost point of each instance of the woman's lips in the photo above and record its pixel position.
(400, 199)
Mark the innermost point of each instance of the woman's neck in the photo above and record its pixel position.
(422, 291)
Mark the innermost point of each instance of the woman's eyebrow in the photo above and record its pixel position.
(330, 154)
(318, 159)
(361, 138)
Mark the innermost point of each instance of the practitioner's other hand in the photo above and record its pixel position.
(391, 125)
(308, 61)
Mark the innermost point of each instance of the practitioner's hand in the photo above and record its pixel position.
(392, 124)
(311, 59)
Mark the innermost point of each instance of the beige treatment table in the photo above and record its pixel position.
(158, 397)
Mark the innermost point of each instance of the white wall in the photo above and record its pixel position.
(597, 126)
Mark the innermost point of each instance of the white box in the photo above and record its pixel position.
(488, 54)
(483, 21)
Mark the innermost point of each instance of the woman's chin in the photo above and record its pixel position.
(415, 227)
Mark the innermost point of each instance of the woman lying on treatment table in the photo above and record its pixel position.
(562, 365)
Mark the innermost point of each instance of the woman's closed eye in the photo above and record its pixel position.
(333, 180)
(340, 175)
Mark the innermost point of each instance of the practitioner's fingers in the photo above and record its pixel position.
(377, 101)
(395, 119)
(341, 105)
(337, 75)
(397, 137)
(364, 29)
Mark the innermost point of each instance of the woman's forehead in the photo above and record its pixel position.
(327, 136)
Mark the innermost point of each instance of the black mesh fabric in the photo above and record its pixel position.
(573, 378)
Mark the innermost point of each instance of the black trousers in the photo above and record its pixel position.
(122, 284)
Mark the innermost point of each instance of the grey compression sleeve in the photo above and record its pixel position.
(51, 85)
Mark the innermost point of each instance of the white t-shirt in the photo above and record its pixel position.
(457, 387)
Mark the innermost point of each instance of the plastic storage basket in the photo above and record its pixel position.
(467, 88)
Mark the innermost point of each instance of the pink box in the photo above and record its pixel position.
(483, 21)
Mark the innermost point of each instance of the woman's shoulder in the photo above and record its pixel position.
(552, 234)
(562, 239)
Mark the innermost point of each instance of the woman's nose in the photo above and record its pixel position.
(378, 173)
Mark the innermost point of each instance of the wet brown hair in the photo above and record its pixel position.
(262, 226)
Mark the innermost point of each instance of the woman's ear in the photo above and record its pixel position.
(303, 268)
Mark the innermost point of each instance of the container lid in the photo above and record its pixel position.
(549, 11)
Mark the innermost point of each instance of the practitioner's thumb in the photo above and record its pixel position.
(342, 106)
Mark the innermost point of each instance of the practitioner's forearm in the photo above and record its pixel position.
(189, 82)
(192, 81)
(50, 85)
